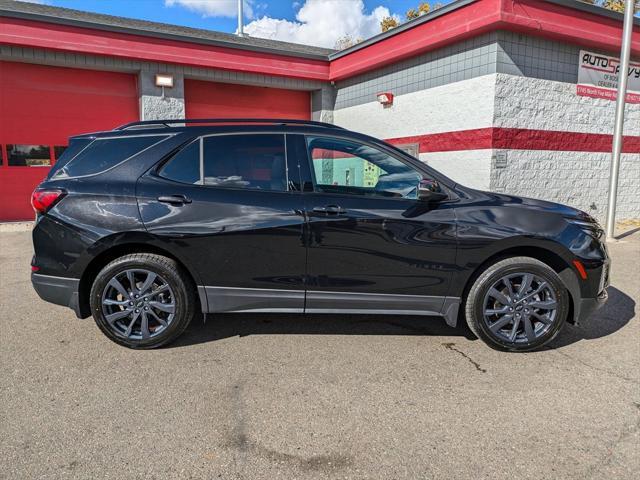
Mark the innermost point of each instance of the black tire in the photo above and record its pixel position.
(480, 302)
(178, 289)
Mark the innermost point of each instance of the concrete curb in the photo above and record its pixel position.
(15, 227)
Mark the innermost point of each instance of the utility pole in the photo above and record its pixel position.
(623, 75)
(240, 19)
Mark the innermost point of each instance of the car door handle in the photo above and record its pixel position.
(330, 210)
(174, 199)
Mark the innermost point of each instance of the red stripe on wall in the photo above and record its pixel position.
(517, 139)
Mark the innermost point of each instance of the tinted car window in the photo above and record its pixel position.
(184, 166)
(106, 153)
(342, 166)
(245, 161)
(65, 154)
(28, 155)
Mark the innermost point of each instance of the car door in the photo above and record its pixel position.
(373, 246)
(225, 204)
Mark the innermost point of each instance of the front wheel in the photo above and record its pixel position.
(142, 300)
(517, 304)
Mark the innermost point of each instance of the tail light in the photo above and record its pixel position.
(43, 200)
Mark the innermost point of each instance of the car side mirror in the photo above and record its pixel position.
(429, 191)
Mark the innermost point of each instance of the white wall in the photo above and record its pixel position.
(471, 168)
(463, 105)
(579, 179)
(524, 102)
(457, 106)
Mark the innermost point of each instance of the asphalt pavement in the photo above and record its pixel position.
(308, 397)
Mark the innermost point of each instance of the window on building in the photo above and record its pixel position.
(58, 150)
(255, 161)
(342, 166)
(184, 166)
(28, 155)
(103, 154)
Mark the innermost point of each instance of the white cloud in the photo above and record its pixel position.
(213, 8)
(41, 2)
(321, 23)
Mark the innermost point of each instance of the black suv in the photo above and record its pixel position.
(153, 223)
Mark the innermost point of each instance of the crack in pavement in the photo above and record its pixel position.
(451, 346)
(593, 367)
(624, 434)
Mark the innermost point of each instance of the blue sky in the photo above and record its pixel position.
(322, 20)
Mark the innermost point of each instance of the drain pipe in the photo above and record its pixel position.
(240, 19)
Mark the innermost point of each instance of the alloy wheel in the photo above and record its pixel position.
(520, 308)
(138, 304)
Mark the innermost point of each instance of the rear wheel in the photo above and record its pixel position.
(142, 300)
(517, 304)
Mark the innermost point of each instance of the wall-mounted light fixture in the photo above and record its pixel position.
(164, 81)
(385, 98)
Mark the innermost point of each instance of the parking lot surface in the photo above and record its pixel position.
(293, 396)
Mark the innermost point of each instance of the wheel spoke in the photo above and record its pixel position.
(544, 304)
(144, 326)
(514, 330)
(543, 318)
(501, 297)
(160, 320)
(540, 288)
(527, 278)
(528, 329)
(109, 301)
(161, 289)
(132, 282)
(165, 307)
(497, 311)
(115, 283)
(151, 277)
(498, 324)
(509, 285)
(117, 316)
(130, 326)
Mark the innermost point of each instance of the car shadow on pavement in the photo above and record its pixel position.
(220, 326)
(614, 315)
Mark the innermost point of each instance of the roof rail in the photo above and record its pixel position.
(168, 123)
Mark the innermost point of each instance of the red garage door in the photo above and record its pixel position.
(40, 108)
(225, 100)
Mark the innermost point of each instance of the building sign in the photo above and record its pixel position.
(598, 77)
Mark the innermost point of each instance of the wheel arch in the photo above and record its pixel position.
(545, 255)
(111, 253)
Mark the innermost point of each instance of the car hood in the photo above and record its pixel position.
(532, 204)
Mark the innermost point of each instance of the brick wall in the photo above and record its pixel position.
(579, 179)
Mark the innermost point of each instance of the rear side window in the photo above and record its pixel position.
(253, 161)
(184, 166)
(104, 154)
